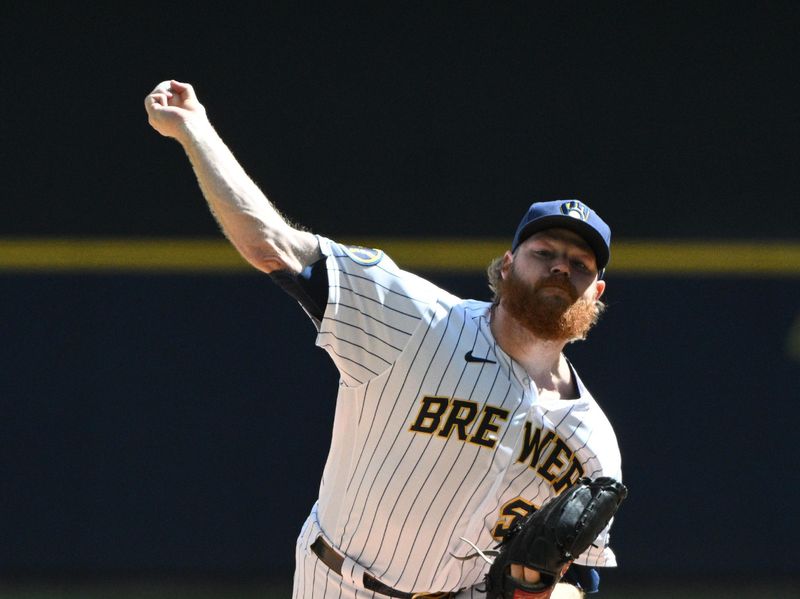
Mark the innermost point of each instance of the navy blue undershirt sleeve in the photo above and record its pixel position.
(309, 288)
(585, 578)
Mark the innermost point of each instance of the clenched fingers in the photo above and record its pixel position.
(520, 572)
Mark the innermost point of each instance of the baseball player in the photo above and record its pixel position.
(455, 418)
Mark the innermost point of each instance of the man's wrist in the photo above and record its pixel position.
(195, 131)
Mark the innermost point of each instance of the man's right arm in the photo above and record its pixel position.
(252, 224)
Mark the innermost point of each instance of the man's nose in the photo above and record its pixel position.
(559, 265)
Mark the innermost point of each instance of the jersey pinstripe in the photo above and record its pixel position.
(427, 446)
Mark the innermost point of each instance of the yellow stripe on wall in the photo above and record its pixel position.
(119, 255)
(723, 258)
(634, 257)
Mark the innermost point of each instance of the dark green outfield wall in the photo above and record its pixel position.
(410, 118)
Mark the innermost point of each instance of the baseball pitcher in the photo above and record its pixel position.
(468, 459)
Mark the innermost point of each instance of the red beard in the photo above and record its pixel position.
(549, 316)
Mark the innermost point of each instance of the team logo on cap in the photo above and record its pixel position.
(575, 209)
(363, 256)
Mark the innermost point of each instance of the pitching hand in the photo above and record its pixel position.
(172, 107)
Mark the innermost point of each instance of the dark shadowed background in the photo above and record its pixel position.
(174, 425)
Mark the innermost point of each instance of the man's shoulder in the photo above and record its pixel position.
(375, 264)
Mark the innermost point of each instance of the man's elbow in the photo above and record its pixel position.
(291, 252)
(269, 258)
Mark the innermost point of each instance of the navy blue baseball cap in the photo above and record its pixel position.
(567, 214)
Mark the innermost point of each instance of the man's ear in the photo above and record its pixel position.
(600, 287)
(508, 259)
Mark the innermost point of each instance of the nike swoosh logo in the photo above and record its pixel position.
(470, 358)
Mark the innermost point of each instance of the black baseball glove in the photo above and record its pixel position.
(549, 539)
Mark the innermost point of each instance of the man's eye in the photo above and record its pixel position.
(544, 253)
(580, 265)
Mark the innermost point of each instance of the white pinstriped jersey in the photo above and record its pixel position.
(429, 447)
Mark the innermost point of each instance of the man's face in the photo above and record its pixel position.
(551, 285)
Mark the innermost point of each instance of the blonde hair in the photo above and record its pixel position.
(495, 279)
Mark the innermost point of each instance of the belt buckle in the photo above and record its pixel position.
(430, 595)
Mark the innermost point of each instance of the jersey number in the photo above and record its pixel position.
(509, 514)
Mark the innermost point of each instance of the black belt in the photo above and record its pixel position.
(331, 558)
